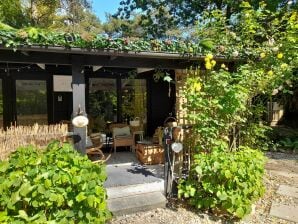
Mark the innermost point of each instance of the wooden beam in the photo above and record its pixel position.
(78, 93)
(93, 60)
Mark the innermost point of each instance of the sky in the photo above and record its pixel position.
(100, 7)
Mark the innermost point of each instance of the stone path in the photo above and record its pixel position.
(285, 205)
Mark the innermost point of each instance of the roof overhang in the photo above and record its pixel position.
(100, 57)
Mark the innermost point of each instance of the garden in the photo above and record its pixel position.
(248, 61)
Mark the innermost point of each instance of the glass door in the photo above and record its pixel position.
(102, 103)
(31, 102)
(134, 99)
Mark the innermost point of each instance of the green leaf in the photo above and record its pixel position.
(99, 191)
(70, 203)
(216, 165)
(240, 212)
(221, 195)
(25, 189)
(23, 215)
(47, 183)
(15, 197)
(90, 200)
(80, 197)
(228, 174)
(53, 197)
(199, 170)
(81, 215)
(4, 165)
(208, 43)
(35, 204)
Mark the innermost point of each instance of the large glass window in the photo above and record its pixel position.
(31, 102)
(1, 105)
(102, 102)
(134, 99)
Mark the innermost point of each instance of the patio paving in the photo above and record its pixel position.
(288, 191)
(286, 212)
(132, 186)
(123, 168)
(287, 209)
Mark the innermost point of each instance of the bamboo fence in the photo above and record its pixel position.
(36, 135)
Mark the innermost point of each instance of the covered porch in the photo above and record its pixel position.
(49, 85)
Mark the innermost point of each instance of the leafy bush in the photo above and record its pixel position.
(289, 144)
(57, 185)
(228, 182)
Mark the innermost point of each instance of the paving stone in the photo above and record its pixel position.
(285, 174)
(136, 203)
(289, 213)
(288, 191)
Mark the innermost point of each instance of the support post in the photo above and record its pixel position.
(78, 94)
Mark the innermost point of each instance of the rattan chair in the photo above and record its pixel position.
(121, 140)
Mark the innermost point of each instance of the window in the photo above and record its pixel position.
(31, 102)
(102, 102)
(134, 99)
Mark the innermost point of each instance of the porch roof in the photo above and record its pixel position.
(32, 45)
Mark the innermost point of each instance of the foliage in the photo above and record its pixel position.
(225, 181)
(11, 13)
(221, 100)
(61, 15)
(115, 27)
(289, 144)
(215, 103)
(226, 103)
(161, 15)
(57, 186)
(34, 36)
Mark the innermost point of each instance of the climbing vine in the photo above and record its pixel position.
(226, 103)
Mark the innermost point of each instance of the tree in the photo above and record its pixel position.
(63, 15)
(123, 28)
(40, 13)
(11, 13)
(158, 16)
(88, 23)
(72, 12)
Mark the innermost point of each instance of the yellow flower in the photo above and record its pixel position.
(197, 86)
(213, 63)
(262, 55)
(270, 73)
(223, 66)
(280, 55)
(207, 59)
(284, 65)
(209, 56)
(208, 65)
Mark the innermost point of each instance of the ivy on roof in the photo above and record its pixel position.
(13, 38)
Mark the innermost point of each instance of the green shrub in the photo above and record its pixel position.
(57, 185)
(289, 144)
(228, 182)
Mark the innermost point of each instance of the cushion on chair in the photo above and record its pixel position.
(124, 137)
(125, 131)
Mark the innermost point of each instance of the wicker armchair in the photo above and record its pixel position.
(122, 136)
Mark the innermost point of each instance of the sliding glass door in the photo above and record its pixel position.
(31, 102)
(102, 102)
(134, 99)
(111, 102)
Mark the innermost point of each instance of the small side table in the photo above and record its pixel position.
(141, 137)
(140, 133)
